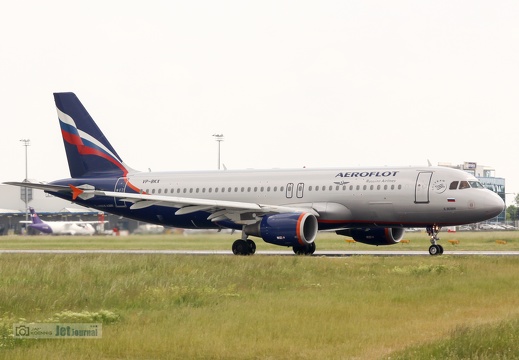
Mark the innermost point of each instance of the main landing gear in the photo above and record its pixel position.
(244, 247)
(248, 247)
(304, 249)
(434, 249)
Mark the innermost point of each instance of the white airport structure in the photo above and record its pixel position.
(49, 208)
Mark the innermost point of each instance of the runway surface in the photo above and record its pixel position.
(325, 253)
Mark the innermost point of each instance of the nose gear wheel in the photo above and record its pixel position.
(435, 248)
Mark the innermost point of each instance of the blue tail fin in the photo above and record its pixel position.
(35, 218)
(88, 151)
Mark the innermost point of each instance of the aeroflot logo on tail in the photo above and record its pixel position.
(355, 174)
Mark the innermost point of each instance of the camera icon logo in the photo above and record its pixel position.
(21, 330)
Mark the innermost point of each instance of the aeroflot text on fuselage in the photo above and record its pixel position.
(366, 174)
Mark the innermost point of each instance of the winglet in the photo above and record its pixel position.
(75, 191)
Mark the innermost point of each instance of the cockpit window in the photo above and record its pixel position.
(476, 185)
(454, 185)
(464, 185)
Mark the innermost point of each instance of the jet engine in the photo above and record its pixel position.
(285, 229)
(375, 236)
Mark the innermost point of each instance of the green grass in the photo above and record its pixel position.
(218, 241)
(262, 307)
(488, 341)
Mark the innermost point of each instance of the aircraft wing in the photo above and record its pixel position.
(237, 211)
(86, 222)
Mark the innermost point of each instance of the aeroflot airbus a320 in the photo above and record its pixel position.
(283, 207)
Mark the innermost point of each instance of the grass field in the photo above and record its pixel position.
(262, 307)
(499, 240)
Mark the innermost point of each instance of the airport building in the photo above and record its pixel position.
(49, 208)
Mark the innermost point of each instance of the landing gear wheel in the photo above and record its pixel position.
(304, 249)
(252, 247)
(435, 250)
(241, 247)
(298, 249)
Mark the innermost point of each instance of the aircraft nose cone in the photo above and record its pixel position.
(495, 205)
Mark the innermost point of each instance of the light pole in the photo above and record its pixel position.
(26, 143)
(219, 139)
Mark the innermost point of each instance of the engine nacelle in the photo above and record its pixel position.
(375, 236)
(285, 229)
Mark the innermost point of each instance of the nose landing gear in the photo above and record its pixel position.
(435, 248)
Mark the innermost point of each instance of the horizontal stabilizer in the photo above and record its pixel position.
(41, 186)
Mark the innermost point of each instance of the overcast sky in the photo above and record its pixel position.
(288, 83)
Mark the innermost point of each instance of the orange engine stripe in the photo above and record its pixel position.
(298, 229)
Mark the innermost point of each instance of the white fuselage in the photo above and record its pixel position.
(65, 228)
(405, 196)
